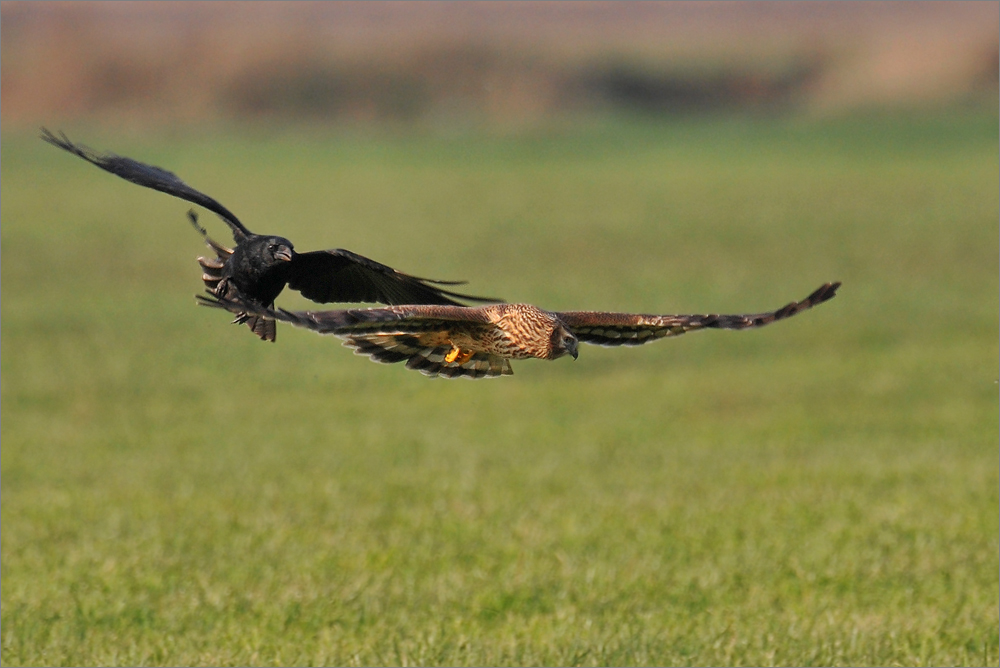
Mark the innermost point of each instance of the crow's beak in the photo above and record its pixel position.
(283, 254)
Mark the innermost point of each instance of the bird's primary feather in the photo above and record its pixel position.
(148, 176)
(628, 329)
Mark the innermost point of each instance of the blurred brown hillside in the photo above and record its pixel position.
(484, 62)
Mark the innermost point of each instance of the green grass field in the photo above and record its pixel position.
(821, 491)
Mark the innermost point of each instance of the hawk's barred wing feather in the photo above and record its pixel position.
(417, 335)
(148, 176)
(389, 348)
(627, 329)
(415, 319)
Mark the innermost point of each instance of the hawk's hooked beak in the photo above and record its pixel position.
(283, 254)
(571, 348)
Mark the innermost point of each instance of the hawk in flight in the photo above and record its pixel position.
(477, 342)
(260, 266)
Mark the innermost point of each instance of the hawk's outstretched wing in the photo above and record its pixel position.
(422, 336)
(148, 176)
(480, 341)
(627, 329)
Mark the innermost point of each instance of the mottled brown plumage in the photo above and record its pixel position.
(478, 342)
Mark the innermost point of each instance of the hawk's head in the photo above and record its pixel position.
(563, 342)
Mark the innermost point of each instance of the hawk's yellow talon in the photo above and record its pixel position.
(459, 356)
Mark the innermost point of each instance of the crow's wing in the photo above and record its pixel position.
(339, 275)
(149, 176)
(628, 329)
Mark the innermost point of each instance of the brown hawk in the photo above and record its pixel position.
(480, 341)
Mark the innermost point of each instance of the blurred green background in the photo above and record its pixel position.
(820, 492)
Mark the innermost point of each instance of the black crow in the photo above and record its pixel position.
(260, 266)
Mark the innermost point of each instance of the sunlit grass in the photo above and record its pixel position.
(823, 491)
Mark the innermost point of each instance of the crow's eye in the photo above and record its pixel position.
(272, 247)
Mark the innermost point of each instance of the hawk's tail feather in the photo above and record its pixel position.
(389, 348)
